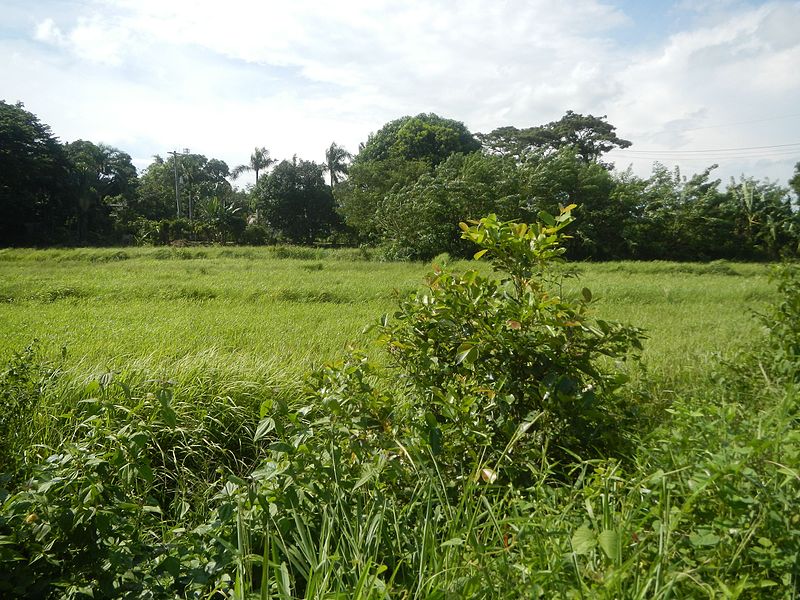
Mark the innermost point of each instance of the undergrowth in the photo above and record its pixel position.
(498, 454)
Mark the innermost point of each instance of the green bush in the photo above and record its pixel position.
(782, 356)
(22, 383)
(504, 367)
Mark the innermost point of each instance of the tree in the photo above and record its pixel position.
(394, 157)
(794, 182)
(421, 220)
(296, 202)
(589, 136)
(225, 219)
(34, 179)
(764, 218)
(427, 137)
(99, 172)
(155, 199)
(260, 160)
(336, 159)
(199, 179)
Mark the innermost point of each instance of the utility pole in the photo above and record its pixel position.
(177, 198)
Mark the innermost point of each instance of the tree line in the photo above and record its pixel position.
(404, 191)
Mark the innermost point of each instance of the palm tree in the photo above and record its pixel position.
(336, 159)
(259, 161)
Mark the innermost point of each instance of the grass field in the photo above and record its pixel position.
(205, 468)
(265, 313)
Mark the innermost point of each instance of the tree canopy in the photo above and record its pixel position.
(589, 136)
(405, 192)
(34, 186)
(296, 202)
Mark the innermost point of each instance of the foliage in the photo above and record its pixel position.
(22, 384)
(260, 160)
(295, 201)
(336, 159)
(781, 356)
(505, 367)
(34, 190)
(794, 182)
(405, 191)
(101, 175)
(199, 180)
(420, 220)
(137, 486)
(93, 521)
(394, 157)
(587, 136)
(426, 137)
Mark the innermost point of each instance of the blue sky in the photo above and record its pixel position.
(688, 83)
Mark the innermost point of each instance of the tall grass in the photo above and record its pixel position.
(152, 456)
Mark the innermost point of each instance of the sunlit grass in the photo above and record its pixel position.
(256, 316)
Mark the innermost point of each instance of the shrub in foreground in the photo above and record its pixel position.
(425, 479)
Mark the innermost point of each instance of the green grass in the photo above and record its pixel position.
(204, 342)
(260, 314)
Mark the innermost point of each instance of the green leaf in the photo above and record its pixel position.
(168, 415)
(480, 253)
(264, 427)
(171, 565)
(467, 353)
(369, 472)
(704, 539)
(587, 294)
(583, 540)
(611, 543)
(430, 419)
(266, 407)
(281, 447)
(145, 472)
(546, 218)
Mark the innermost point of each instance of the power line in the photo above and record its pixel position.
(776, 155)
(671, 160)
(708, 151)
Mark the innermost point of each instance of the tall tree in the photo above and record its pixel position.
(34, 179)
(589, 136)
(794, 182)
(260, 160)
(426, 137)
(394, 157)
(336, 159)
(296, 202)
(199, 179)
(99, 173)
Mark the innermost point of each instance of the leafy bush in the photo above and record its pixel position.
(505, 368)
(21, 386)
(783, 326)
(257, 235)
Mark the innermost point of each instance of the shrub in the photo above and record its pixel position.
(505, 368)
(257, 235)
(21, 385)
(782, 355)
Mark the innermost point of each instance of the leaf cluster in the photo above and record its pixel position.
(503, 365)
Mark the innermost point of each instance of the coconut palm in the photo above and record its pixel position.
(259, 161)
(336, 159)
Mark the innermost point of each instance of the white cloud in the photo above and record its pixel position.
(716, 86)
(150, 75)
(47, 31)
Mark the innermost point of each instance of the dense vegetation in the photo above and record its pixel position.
(405, 192)
(190, 423)
(507, 442)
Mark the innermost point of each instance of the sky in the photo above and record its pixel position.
(689, 83)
